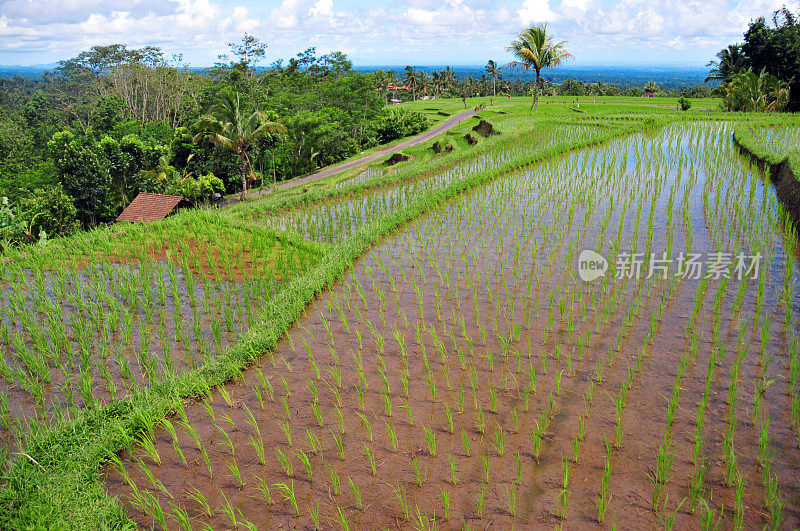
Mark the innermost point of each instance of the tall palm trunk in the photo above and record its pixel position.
(536, 92)
(243, 169)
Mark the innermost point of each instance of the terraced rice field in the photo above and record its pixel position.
(462, 373)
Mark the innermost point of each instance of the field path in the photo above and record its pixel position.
(388, 150)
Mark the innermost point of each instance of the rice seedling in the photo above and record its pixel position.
(288, 493)
(285, 462)
(402, 500)
(335, 480)
(500, 441)
(446, 503)
(480, 502)
(417, 473)
(337, 439)
(604, 496)
(303, 457)
(465, 441)
(430, 437)
(562, 504)
(233, 466)
(511, 499)
(356, 494)
(263, 486)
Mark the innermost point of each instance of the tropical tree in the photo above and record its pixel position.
(494, 72)
(449, 79)
(755, 92)
(423, 82)
(229, 127)
(651, 87)
(436, 82)
(729, 61)
(535, 48)
(410, 79)
(391, 79)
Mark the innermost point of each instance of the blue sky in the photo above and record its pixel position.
(395, 32)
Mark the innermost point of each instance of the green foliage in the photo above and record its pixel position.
(755, 92)
(776, 49)
(198, 189)
(109, 111)
(82, 176)
(232, 127)
(684, 103)
(12, 228)
(401, 123)
(761, 73)
(49, 210)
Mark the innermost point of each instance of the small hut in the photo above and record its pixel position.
(150, 207)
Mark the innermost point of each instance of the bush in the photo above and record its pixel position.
(684, 103)
(399, 124)
(49, 209)
(201, 188)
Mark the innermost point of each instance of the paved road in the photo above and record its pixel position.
(333, 170)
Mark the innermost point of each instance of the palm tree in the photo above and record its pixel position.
(729, 62)
(410, 79)
(383, 83)
(651, 87)
(436, 81)
(229, 127)
(495, 72)
(449, 79)
(423, 81)
(392, 80)
(535, 48)
(756, 92)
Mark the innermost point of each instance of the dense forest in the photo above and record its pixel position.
(762, 73)
(79, 144)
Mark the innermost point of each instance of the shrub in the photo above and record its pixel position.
(684, 103)
(401, 123)
(49, 209)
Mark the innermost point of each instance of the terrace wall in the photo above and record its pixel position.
(783, 171)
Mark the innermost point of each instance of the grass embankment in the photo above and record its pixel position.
(759, 145)
(57, 481)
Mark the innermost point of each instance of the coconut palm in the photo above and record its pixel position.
(410, 79)
(423, 81)
(449, 79)
(228, 126)
(391, 78)
(729, 61)
(494, 72)
(436, 82)
(651, 87)
(534, 48)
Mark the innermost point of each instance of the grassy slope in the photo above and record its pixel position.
(65, 486)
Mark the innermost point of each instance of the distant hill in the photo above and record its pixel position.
(624, 76)
(28, 72)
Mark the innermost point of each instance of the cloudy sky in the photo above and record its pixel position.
(380, 32)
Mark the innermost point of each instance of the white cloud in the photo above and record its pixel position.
(464, 30)
(322, 8)
(534, 11)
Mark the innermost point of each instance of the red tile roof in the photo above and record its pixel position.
(150, 207)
